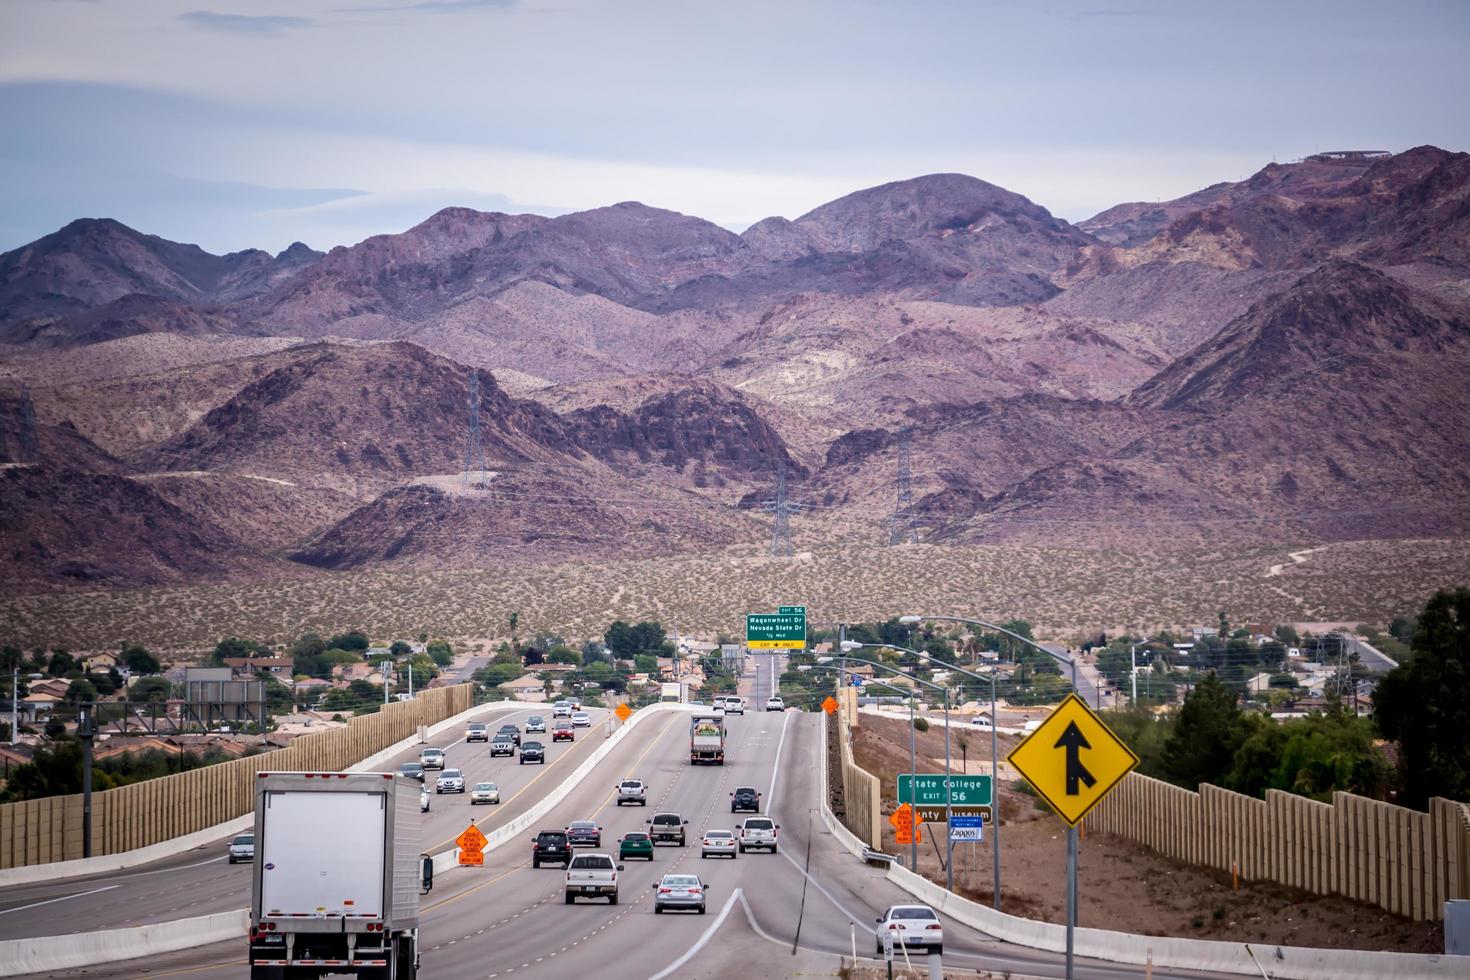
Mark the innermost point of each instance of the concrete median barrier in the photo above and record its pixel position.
(47, 953)
(445, 860)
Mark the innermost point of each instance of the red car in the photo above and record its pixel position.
(563, 732)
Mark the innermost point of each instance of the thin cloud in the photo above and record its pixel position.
(258, 24)
(435, 7)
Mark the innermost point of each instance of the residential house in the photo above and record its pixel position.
(55, 686)
(527, 688)
(101, 662)
(1259, 684)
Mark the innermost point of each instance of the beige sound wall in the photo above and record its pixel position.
(1401, 860)
(128, 817)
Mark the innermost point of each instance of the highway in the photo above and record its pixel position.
(200, 881)
(506, 919)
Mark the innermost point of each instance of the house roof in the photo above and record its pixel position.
(525, 683)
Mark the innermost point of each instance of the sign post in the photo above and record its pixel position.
(1072, 761)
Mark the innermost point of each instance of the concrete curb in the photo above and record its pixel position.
(58, 870)
(19, 956)
(1281, 962)
(446, 860)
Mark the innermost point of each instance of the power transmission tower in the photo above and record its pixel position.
(903, 526)
(781, 546)
(474, 453)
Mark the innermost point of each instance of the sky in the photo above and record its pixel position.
(235, 124)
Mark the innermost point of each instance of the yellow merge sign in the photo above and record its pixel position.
(1073, 759)
(623, 711)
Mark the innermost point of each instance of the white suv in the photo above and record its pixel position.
(562, 709)
(758, 833)
(775, 704)
(432, 758)
(734, 706)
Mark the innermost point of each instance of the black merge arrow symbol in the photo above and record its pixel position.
(1074, 741)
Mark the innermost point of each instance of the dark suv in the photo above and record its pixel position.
(533, 752)
(745, 798)
(667, 827)
(551, 847)
(511, 732)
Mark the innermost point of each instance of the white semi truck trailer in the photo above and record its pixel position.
(337, 876)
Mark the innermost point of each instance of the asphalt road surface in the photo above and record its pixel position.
(201, 881)
(811, 900)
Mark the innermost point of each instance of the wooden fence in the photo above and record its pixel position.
(861, 790)
(129, 817)
(1401, 860)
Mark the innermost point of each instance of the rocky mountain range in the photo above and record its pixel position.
(1279, 358)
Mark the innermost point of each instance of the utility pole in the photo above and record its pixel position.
(14, 699)
(86, 731)
(474, 455)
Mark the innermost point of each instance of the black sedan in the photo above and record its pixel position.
(584, 833)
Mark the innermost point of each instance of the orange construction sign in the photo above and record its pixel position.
(623, 711)
(471, 846)
(907, 831)
(829, 705)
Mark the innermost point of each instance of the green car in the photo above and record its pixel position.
(635, 844)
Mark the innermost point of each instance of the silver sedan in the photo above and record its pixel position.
(679, 892)
(718, 843)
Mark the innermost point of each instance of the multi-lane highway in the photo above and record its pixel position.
(200, 881)
(811, 900)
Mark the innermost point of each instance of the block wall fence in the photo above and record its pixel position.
(1401, 860)
(129, 817)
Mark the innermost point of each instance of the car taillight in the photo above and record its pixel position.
(695, 891)
(664, 891)
(894, 925)
(936, 926)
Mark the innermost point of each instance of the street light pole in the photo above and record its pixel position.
(913, 847)
(994, 776)
(948, 763)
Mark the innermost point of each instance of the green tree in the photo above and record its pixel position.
(440, 652)
(1421, 704)
(645, 663)
(79, 691)
(61, 664)
(561, 654)
(1210, 729)
(399, 649)
(621, 640)
(650, 636)
(354, 640)
(154, 689)
(138, 660)
(1288, 635)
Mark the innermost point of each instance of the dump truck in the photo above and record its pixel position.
(707, 739)
(337, 876)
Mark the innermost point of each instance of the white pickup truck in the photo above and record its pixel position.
(593, 875)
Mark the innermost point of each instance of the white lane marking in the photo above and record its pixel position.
(776, 766)
(63, 898)
(703, 940)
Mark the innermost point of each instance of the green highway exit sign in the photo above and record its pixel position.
(784, 630)
(969, 795)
